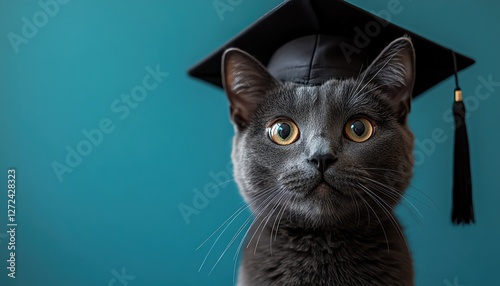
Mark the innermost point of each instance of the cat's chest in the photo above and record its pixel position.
(316, 260)
(301, 260)
(302, 264)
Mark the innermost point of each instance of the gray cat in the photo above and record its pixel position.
(313, 163)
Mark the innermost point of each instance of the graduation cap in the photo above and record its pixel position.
(312, 41)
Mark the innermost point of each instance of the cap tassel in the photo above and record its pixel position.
(463, 210)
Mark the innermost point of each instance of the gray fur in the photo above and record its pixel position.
(346, 234)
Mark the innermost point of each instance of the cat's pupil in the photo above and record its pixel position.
(358, 128)
(284, 130)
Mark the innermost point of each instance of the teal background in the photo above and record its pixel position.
(119, 208)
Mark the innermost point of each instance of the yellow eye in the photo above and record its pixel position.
(358, 129)
(283, 132)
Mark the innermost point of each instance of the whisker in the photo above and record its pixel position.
(267, 218)
(232, 240)
(380, 202)
(244, 206)
(358, 214)
(217, 239)
(394, 195)
(380, 222)
(282, 213)
(223, 183)
(259, 211)
(228, 222)
(397, 178)
(394, 192)
(235, 213)
(238, 250)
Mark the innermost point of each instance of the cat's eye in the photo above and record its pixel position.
(359, 129)
(283, 132)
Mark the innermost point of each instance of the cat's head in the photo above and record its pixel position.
(324, 155)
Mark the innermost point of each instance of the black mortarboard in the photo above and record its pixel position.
(312, 41)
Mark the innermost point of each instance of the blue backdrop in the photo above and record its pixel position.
(111, 142)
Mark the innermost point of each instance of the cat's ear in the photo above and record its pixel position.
(393, 71)
(246, 83)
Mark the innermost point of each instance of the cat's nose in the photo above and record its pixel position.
(322, 161)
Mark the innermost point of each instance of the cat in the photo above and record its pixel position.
(313, 163)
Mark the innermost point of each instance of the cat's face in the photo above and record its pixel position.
(327, 155)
